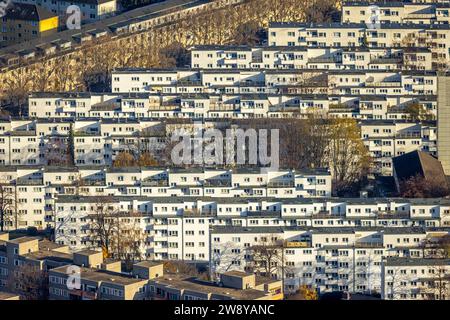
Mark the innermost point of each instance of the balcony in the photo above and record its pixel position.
(406, 135)
(183, 83)
(216, 183)
(386, 60)
(154, 183)
(163, 107)
(252, 84)
(325, 60)
(280, 184)
(392, 215)
(220, 106)
(80, 133)
(29, 182)
(368, 245)
(421, 16)
(389, 84)
(199, 213)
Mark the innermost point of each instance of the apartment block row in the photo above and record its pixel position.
(386, 35)
(321, 58)
(104, 279)
(396, 263)
(358, 82)
(180, 228)
(97, 142)
(36, 189)
(230, 105)
(387, 139)
(88, 142)
(413, 12)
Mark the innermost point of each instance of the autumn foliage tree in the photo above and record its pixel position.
(304, 293)
(417, 112)
(125, 159)
(318, 141)
(420, 187)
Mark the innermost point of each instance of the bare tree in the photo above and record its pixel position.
(268, 257)
(396, 281)
(436, 286)
(90, 65)
(119, 234)
(16, 90)
(225, 258)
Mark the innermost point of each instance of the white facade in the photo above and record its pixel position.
(359, 34)
(324, 258)
(316, 58)
(37, 188)
(415, 279)
(388, 139)
(186, 214)
(398, 12)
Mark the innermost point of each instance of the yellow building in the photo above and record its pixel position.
(23, 22)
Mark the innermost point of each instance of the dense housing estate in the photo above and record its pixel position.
(38, 189)
(391, 78)
(103, 279)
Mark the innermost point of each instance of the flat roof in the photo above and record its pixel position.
(395, 261)
(188, 283)
(99, 275)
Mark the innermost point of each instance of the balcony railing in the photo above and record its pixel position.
(421, 16)
(368, 245)
(382, 60)
(325, 60)
(280, 184)
(155, 183)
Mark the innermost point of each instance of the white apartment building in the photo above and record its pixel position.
(178, 227)
(98, 142)
(318, 58)
(91, 10)
(276, 93)
(396, 11)
(415, 279)
(27, 142)
(344, 102)
(359, 82)
(94, 142)
(388, 139)
(327, 259)
(37, 188)
(434, 36)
